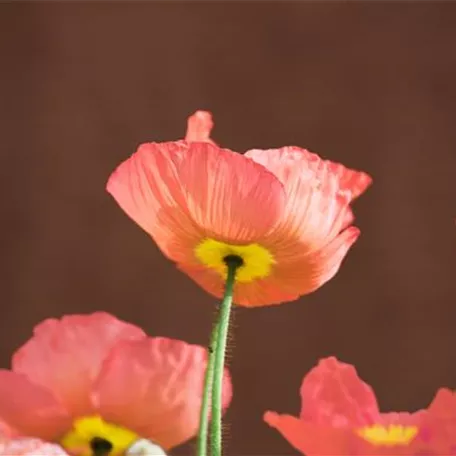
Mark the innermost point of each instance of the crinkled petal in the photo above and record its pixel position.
(316, 209)
(309, 438)
(305, 273)
(181, 193)
(261, 292)
(147, 187)
(30, 447)
(293, 275)
(29, 408)
(284, 161)
(65, 355)
(350, 180)
(154, 387)
(332, 394)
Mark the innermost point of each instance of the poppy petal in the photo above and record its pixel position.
(29, 408)
(439, 423)
(292, 276)
(199, 126)
(282, 162)
(192, 191)
(305, 273)
(261, 292)
(154, 387)
(65, 355)
(147, 187)
(316, 210)
(444, 404)
(332, 394)
(309, 438)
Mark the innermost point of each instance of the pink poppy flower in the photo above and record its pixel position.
(284, 213)
(340, 416)
(96, 385)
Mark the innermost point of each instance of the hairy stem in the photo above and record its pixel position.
(201, 445)
(233, 263)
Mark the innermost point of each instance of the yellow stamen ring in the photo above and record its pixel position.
(388, 435)
(257, 261)
(91, 435)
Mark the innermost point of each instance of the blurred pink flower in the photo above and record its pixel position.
(285, 213)
(88, 380)
(340, 416)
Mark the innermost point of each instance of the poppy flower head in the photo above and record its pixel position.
(340, 415)
(97, 385)
(284, 214)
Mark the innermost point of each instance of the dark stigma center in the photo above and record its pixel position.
(100, 446)
(233, 260)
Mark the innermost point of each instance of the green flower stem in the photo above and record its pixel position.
(233, 263)
(201, 445)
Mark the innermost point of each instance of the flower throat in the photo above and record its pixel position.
(100, 446)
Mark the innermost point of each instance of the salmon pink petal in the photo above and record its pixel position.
(199, 127)
(318, 200)
(292, 276)
(7, 431)
(29, 408)
(332, 394)
(154, 387)
(444, 404)
(284, 161)
(439, 423)
(350, 180)
(305, 273)
(65, 355)
(181, 193)
(230, 197)
(261, 292)
(309, 438)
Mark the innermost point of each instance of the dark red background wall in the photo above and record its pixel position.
(369, 84)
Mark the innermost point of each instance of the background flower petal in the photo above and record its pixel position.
(29, 408)
(309, 438)
(438, 424)
(154, 387)
(332, 394)
(65, 355)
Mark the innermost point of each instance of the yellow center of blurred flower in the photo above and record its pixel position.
(257, 261)
(388, 435)
(92, 436)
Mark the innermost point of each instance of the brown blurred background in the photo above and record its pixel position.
(372, 85)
